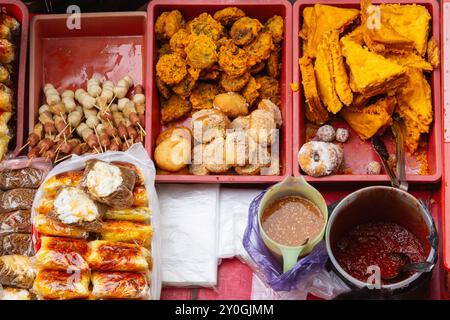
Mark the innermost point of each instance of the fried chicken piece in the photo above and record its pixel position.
(274, 63)
(179, 42)
(163, 88)
(275, 26)
(234, 83)
(201, 52)
(168, 23)
(433, 52)
(245, 30)
(205, 25)
(415, 107)
(232, 59)
(371, 120)
(174, 108)
(171, 68)
(203, 95)
(319, 20)
(250, 91)
(370, 73)
(229, 15)
(269, 89)
(314, 110)
(259, 50)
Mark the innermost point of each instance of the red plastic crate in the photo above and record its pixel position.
(262, 9)
(19, 11)
(361, 153)
(110, 45)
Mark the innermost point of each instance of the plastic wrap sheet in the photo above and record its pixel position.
(16, 271)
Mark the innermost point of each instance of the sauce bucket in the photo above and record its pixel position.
(291, 186)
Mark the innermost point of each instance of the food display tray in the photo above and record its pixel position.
(262, 10)
(19, 11)
(358, 153)
(107, 45)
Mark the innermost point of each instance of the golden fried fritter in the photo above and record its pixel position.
(212, 73)
(259, 49)
(250, 92)
(201, 52)
(164, 49)
(234, 83)
(203, 95)
(168, 23)
(184, 88)
(174, 108)
(275, 26)
(171, 68)
(205, 25)
(163, 88)
(232, 59)
(245, 30)
(229, 15)
(179, 42)
(274, 63)
(269, 89)
(257, 68)
(433, 52)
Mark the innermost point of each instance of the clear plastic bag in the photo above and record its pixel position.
(138, 157)
(16, 271)
(16, 199)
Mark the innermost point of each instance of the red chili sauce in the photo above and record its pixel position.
(373, 244)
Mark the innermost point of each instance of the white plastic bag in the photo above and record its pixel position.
(137, 156)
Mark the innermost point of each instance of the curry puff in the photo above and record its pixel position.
(119, 285)
(61, 285)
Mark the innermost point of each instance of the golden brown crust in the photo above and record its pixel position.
(232, 59)
(259, 49)
(233, 84)
(168, 23)
(245, 30)
(174, 108)
(201, 52)
(275, 26)
(203, 95)
(171, 68)
(205, 25)
(229, 15)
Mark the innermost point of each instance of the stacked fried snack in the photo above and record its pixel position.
(365, 65)
(203, 60)
(96, 234)
(9, 31)
(105, 116)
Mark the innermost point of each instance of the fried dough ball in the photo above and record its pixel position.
(168, 23)
(259, 49)
(250, 91)
(257, 68)
(229, 15)
(214, 156)
(179, 42)
(274, 63)
(234, 83)
(163, 89)
(237, 148)
(205, 25)
(269, 89)
(171, 68)
(232, 104)
(275, 26)
(232, 59)
(173, 153)
(197, 167)
(201, 52)
(178, 131)
(174, 108)
(245, 30)
(240, 123)
(268, 105)
(203, 95)
(209, 124)
(262, 127)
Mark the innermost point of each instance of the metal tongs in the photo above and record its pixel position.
(398, 129)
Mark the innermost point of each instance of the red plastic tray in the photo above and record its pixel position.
(19, 11)
(359, 153)
(263, 10)
(109, 45)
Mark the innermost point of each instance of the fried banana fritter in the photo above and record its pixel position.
(259, 49)
(250, 91)
(171, 68)
(168, 23)
(274, 63)
(234, 83)
(179, 42)
(201, 52)
(229, 15)
(203, 95)
(245, 30)
(269, 89)
(232, 59)
(206, 25)
(275, 26)
(174, 108)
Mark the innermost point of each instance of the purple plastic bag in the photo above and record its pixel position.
(268, 266)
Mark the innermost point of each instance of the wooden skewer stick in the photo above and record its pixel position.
(63, 158)
(142, 129)
(126, 141)
(23, 147)
(62, 117)
(110, 103)
(98, 138)
(96, 150)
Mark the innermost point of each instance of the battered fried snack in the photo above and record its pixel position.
(174, 108)
(168, 23)
(203, 95)
(259, 49)
(214, 156)
(173, 153)
(179, 41)
(234, 83)
(269, 89)
(433, 52)
(164, 49)
(257, 68)
(205, 25)
(201, 52)
(274, 63)
(245, 30)
(232, 59)
(250, 91)
(163, 89)
(410, 59)
(262, 127)
(209, 124)
(171, 68)
(275, 26)
(232, 104)
(229, 15)
(184, 88)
